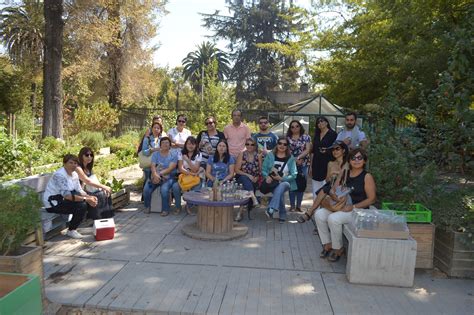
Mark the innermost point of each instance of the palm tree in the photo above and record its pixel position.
(196, 61)
(21, 32)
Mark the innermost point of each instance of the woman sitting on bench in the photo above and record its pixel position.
(336, 210)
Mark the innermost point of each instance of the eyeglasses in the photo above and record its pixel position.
(182, 121)
(250, 144)
(89, 155)
(337, 149)
(294, 126)
(357, 158)
(209, 123)
(283, 143)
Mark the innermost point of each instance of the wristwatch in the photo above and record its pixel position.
(84, 198)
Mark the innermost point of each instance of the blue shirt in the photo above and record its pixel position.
(268, 139)
(220, 169)
(162, 162)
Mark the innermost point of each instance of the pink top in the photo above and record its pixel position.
(236, 137)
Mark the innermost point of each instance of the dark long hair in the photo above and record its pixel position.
(318, 131)
(83, 152)
(185, 151)
(287, 152)
(345, 156)
(226, 157)
(289, 132)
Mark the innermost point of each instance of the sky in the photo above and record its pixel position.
(181, 30)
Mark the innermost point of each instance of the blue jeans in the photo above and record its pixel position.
(246, 183)
(296, 194)
(278, 199)
(165, 188)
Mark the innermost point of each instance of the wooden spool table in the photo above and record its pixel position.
(215, 219)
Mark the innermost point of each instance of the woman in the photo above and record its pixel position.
(93, 187)
(330, 219)
(300, 147)
(248, 168)
(179, 134)
(334, 174)
(208, 139)
(151, 144)
(279, 166)
(163, 174)
(189, 160)
(324, 137)
(221, 165)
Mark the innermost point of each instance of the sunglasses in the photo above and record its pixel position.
(250, 144)
(337, 149)
(89, 155)
(263, 122)
(283, 143)
(294, 126)
(320, 121)
(182, 121)
(209, 123)
(357, 158)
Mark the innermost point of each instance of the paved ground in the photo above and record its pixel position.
(150, 267)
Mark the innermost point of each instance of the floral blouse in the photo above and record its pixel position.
(251, 168)
(298, 146)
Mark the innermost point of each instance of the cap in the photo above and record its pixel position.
(337, 143)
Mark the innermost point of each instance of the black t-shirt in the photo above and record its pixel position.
(279, 163)
(208, 144)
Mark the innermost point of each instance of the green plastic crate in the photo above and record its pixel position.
(25, 299)
(416, 212)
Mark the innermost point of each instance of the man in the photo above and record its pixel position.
(65, 195)
(179, 134)
(208, 139)
(266, 140)
(236, 134)
(351, 134)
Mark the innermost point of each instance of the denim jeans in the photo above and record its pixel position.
(165, 188)
(298, 195)
(246, 183)
(278, 199)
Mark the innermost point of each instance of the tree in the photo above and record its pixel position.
(21, 32)
(197, 60)
(52, 83)
(261, 37)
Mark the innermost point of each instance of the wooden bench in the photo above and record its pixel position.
(51, 223)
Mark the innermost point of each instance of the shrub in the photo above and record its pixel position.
(125, 142)
(19, 215)
(92, 139)
(98, 117)
(16, 155)
(52, 144)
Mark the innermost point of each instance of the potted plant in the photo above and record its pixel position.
(19, 216)
(120, 195)
(453, 214)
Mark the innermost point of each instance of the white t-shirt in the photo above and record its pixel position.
(178, 137)
(61, 183)
(197, 160)
(343, 134)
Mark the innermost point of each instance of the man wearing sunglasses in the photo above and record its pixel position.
(179, 134)
(208, 139)
(351, 134)
(265, 139)
(236, 133)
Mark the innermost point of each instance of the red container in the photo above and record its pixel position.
(104, 229)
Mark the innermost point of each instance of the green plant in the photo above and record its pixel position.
(115, 184)
(52, 144)
(19, 215)
(92, 139)
(98, 117)
(126, 142)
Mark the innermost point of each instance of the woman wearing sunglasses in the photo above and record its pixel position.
(93, 187)
(179, 134)
(300, 147)
(248, 168)
(332, 216)
(208, 140)
(336, 173)
(279, 173)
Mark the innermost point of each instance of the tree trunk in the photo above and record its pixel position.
(52, 83)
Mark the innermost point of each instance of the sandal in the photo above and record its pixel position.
(325, 253)
(334, 257)
(303, 218)
(177, 211)
(292, 210)
(164, 213)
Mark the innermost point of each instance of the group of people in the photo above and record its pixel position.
(75, 190)
(263, 161)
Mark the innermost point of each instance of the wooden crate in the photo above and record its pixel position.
(424, 234)
(29, 261)
(454, 253)
(120, 199)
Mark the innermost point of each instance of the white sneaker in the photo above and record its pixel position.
(74, 234)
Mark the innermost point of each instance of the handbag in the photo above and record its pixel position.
(144, 161)
(266, 188)
(300, 182)
(187, 181)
